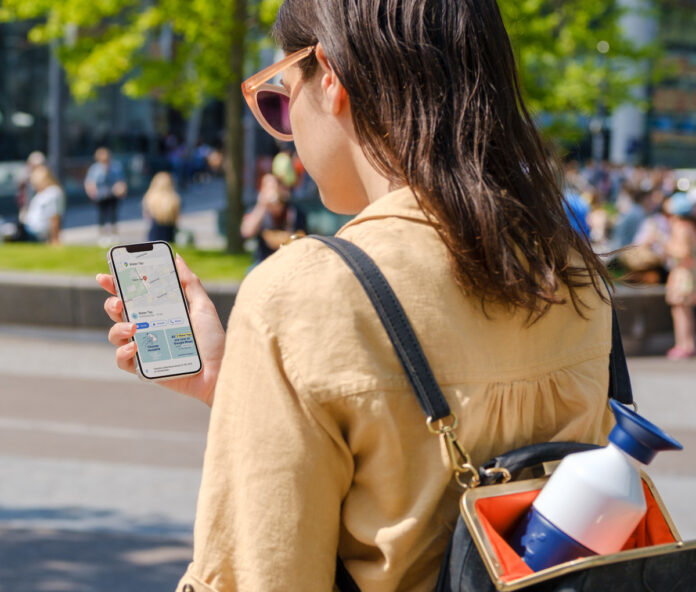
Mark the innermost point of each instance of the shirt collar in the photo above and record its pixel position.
(401, 203)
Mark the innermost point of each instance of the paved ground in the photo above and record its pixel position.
(666, 394)
(99, 472)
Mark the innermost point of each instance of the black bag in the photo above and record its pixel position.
(470, 563)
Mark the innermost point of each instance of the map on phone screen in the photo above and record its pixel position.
(154, 302)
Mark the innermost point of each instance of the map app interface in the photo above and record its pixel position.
(154, 302)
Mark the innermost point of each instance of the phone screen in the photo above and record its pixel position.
(153, 299)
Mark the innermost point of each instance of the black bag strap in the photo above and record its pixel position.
(414, 362)
(395, 321)
(344, 581)
(515, 461)
(619, 380)
(409, 351)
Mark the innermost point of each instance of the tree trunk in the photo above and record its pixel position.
(56, 118)
(234, 132)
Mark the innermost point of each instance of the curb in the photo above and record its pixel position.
(77, 302)
(73, 302)
(645, 319)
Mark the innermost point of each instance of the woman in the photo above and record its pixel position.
(681, 281)
(105, 184)
(161, 205)
(409, 114)
(273, 220)
(41, 220)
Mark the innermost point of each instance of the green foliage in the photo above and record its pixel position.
(108, 41)
(561, 67)
(267, 11)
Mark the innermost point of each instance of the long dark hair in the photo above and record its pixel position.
(436, 104)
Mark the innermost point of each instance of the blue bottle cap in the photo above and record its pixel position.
(637, 437)
(541, 544)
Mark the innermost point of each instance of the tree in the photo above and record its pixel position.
(574, 57)
(110, 41)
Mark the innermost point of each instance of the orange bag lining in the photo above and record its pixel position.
(500, 515)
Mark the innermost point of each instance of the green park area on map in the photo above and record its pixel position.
(132, 284)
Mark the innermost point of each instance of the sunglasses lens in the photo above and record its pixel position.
(275, 108)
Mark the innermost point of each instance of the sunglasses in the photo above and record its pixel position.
(270, 103)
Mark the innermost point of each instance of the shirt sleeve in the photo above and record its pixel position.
(91, 174)
(54, 202)
(276, 470)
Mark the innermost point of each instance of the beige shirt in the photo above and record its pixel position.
(316, 442)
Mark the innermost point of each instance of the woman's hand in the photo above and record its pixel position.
(210, 335)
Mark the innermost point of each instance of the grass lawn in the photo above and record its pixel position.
(88, 261)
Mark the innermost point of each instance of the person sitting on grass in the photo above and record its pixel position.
(41, 220)
(273, 220)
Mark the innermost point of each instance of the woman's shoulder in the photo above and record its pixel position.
(308, 299)
(50, 193)
(300, 273)
(56, 191)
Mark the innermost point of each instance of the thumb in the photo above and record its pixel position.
(189, 281)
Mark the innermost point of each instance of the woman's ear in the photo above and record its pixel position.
(335, 95)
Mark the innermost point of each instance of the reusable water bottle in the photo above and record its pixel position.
(594, 500)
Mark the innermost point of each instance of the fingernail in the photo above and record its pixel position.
(131, 346)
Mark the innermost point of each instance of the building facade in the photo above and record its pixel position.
(665, 134)
(671, 123)
(111, 118)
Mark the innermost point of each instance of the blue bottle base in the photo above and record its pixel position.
(540, 544)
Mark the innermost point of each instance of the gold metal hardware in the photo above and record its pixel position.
(467, 506)
(474, 479)
(293, 237)
(549, 467)
(460, 461)
(442, 426)
(494, 471)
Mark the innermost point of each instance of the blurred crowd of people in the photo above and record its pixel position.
(41, 200)
(644, 219)
(281, 183)
(191, 165)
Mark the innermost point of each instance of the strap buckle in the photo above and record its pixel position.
(460, 460)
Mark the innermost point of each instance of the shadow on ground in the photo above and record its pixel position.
(52, 561)
(92, 519)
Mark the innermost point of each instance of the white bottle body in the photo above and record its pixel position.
(596, 498)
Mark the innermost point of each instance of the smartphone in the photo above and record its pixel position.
(149, 286)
